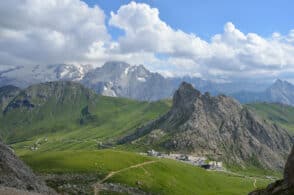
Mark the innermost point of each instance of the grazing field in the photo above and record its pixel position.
(67, 133)
(78, 126)
(157, 175)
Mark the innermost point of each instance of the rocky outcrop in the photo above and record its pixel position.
(7, 93)
(15, 174)
(284, 186)
(289, 169)
(218, 127)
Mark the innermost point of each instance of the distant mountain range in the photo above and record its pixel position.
(24, 76)
(119, 79)
(279, 92)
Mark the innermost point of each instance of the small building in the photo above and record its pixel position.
(183, 157)
(153, 153)
(216, 165)
(205, 166)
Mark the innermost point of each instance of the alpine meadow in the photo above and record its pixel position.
(146, 97)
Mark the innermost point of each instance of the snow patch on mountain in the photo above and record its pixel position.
(142, 79)
(23, 76)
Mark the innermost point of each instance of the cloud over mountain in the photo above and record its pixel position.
(226, 56)
(54, 31)
(48, 31)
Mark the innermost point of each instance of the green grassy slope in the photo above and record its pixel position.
(110, 118)
(277, 113)
(162, 176)
(66, 125)
(72, 115)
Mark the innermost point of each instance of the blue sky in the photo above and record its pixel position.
(207, 17)
(220, 40)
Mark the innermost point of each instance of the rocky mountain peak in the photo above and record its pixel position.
(184, 98)
(280, 84)
(187, 99)
(187, 89)
(110, 65)
(121, 79)
(219, 126)
(279, 81)
(281, 91)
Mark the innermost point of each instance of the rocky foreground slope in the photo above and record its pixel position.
(284, 186)
(218, 127)
(14, 174)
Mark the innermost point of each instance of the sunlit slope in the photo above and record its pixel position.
(69, 111)
(149, 174)
(277, 113)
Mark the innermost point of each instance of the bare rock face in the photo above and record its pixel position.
(289, 169)
(219, 127)
(15, 174)
(120, 79)
(7, 93)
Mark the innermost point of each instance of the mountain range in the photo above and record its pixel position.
(196, 123)
(64, 127)
(218, 127)
(279, 92)
(24, 76)
(119, 79)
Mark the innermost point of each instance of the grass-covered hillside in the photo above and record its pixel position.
(159, 176)
(62, 127)
(66, 114)
(277, 113)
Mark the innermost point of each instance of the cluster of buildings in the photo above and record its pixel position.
(199, 161)
(38, 143)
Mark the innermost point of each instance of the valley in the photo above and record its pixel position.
(144, 173)
(67, 133)
(146, 97)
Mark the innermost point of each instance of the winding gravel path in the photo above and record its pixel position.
(112, 173)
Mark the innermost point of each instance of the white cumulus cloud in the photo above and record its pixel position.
(48, 31)
(61, 31)
(229, 55)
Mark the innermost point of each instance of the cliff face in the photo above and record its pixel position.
(289, 169)
(219, 127)
(15, 174)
